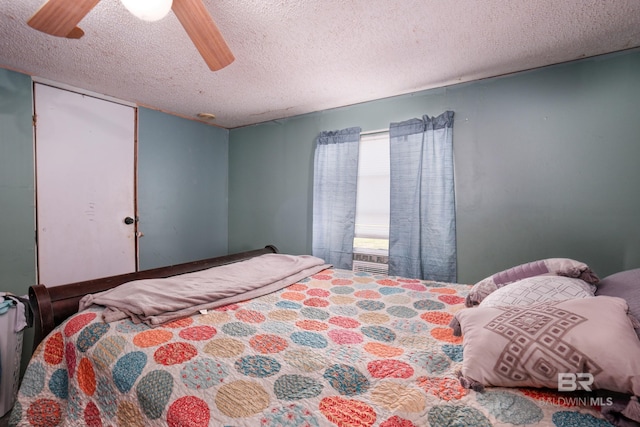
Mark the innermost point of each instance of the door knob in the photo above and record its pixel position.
(128, 220)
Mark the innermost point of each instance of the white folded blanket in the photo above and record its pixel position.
(157, 301)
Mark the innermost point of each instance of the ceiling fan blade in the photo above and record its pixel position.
(60, 17)
(204, 33)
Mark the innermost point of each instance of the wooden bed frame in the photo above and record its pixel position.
(52, 305)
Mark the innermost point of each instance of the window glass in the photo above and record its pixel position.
(373, 198)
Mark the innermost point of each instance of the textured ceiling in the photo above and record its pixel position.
(299, 56)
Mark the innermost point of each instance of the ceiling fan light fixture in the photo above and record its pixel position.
(148, 10)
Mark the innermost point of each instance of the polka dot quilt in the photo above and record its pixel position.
(336, 349)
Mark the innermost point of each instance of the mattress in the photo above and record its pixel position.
(339, 348)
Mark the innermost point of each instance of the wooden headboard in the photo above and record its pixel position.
(52, 305)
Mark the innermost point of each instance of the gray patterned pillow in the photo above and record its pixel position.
(530, 346)
(539, 289)
(550, 266)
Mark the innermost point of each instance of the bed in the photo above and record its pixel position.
(336, 348)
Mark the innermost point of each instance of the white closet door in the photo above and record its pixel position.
(85, 166)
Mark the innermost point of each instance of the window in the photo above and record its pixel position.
(373, 197)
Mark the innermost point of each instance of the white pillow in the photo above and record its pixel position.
(538, 289)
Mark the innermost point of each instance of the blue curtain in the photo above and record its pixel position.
(335, 176)
(422, 225)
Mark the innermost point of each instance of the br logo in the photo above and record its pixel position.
(571, 382)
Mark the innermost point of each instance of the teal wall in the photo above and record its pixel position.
(546, 166)
(17, 205)
(182, 189)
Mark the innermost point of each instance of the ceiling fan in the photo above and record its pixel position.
(61, 17)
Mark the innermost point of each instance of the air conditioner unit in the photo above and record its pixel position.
(374, 262)
(370, 267)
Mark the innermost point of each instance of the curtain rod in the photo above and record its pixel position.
(373, 132)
